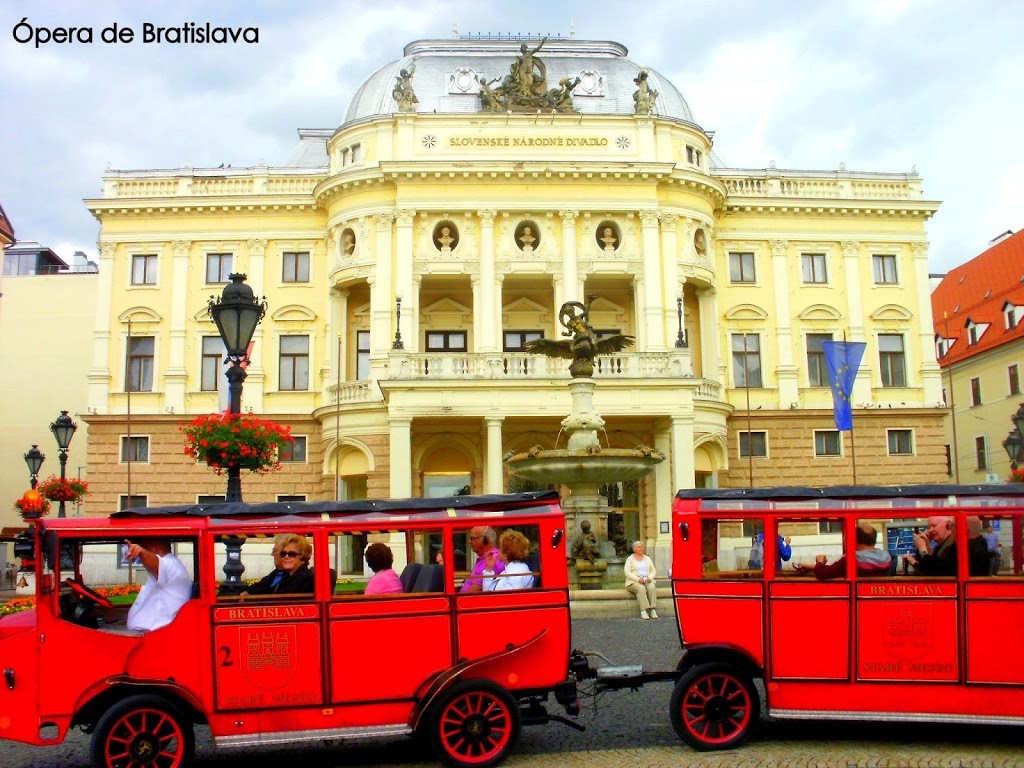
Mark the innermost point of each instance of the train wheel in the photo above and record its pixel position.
(142, 732)
(714, 706)
(475, 725)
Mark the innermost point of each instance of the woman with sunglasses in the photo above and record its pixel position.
(291, 574)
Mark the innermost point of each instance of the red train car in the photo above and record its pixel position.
(862, 603)
(463, 669)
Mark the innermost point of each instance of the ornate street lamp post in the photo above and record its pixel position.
(398, 344)
(1014, 442)
(236, 313)
(680, 336)
(63, 429)
(34, 459)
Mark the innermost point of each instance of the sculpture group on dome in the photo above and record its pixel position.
(403, 92)
(525, 87)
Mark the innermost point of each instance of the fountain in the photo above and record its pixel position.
(583, 466)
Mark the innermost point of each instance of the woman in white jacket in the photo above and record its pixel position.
(515, 549)
(639, 571)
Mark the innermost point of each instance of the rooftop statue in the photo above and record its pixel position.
(403, 92)
(525, 87)
(584, 345)
(644, 96)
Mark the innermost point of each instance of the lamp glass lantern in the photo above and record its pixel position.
(237, 313)
(1018, 421)
(63, 429)
(34, 459)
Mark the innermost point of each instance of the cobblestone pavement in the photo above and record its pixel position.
(631, 730)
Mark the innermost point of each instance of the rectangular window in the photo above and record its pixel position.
(293, 368)
(1014, 377)
(139, 374)
(213, 353)
(746, 359)
(813, 267)
(131, 502)
(817, 373)
(356, 152)
(975, 391)
(830, 526)
(211, 498)
(218, 267)
(753, 443)
(362, 355)
(884, 269)
(891, 360)
(516, 341)
(741, 268)
(144, 269)
(827, 442)
(295, 267)
(446, 341)
(286, 497)
(134, 448)
(1010, 315)
(901, 442)
(296, 452)
(981, 451)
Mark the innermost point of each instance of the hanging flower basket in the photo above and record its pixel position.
(67, 489)
(1016, 476)
(32, 505)
(236, 440)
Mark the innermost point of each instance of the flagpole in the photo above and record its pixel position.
(853, 446)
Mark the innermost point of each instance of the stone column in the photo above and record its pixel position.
(101, 382)
(570, 289)
(488, 327)
(787, 371)
(931, 376)
(338, 330)
(653, 310)
(671, 287)
(707, 304)
(493, 479)
(855, 317)
(252, 396)
(382, 299)
(174, 381)
(682, 451)
(400, 448)
(404, 275)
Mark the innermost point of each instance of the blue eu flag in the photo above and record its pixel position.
(842, 359)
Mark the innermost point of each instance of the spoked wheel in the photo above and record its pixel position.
(142, 732)
(714, 706)
(475, 725)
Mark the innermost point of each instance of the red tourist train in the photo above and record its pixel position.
(465, 670)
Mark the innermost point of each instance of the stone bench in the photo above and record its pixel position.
(615, 604)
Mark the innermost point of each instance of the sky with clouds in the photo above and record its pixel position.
(880, 85)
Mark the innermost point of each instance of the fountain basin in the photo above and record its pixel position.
(577, 469)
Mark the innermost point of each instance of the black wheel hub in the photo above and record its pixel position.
(144, 748)
(717, 709)
(476, 727)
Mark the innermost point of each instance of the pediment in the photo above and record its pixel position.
(524, 313)
(447, 312)
(745, 312)
(292, 313)
(140, 315)
(820, 312)
(891, 312)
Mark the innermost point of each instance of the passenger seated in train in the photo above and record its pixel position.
(936, 548)
(291, 574)
(514, 551)
(168, 588)
(481, 540)
(979, 562)
(870, 561)
(384, 581)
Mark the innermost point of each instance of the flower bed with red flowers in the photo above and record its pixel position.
(120, 595)
(246, 441)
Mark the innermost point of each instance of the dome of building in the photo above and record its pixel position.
(446, 77)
